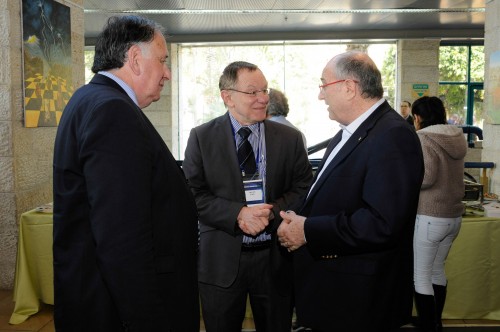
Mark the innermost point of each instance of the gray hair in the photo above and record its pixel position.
(229, 76)
(278, 103)
(359, 66)
(119, 34)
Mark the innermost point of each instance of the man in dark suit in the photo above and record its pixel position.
(352, 237)
(405, 108)
(239, 208)
(125, 222)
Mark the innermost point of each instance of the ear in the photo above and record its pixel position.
(134, 55)
(351, 88)
(227, 98)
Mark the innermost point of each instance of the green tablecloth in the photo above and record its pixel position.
(472, 267)
(34, 273)
(473, 271)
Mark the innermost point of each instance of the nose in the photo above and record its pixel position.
(320, 95)
(263, 97)
(167, 74)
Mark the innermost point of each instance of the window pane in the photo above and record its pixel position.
(454, 99)
(478, 116)
(89, 61)
(294, 68)
(453, 63)
(477, 64)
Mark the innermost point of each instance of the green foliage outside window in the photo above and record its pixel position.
(461, 70)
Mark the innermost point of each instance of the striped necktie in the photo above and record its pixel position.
(246, 157)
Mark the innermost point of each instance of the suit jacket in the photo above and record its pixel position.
(410, 119)
(355, 272)
(125, 223)
(211, 166)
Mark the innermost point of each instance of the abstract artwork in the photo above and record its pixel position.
(47, 61)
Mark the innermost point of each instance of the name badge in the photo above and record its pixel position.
(254, 191)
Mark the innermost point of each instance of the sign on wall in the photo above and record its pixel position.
(46, 60)
(419, 90)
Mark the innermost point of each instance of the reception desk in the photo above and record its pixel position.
(473, 269)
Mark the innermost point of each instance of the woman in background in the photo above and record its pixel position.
(440, 207)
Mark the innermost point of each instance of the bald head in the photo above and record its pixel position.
(359, 66)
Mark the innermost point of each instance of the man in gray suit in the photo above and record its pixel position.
(239, 199)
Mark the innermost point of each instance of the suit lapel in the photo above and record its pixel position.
(224, 133)
(272, 151)
(333, 143)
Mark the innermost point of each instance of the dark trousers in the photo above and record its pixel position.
(224, 308)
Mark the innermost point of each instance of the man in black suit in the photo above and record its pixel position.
(352, 237)
(405, 108)
(125, 222)
(239, 207)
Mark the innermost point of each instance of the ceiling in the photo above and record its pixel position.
(258, 20)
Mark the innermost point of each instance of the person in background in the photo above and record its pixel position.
(277, 110)
(454, 119)
(405, 108)
(352, 239)
(239, 196)
(440, 207)
(125, 221)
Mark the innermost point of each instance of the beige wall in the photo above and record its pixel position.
(491, 144)
(417, 60)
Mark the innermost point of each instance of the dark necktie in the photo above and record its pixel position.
(246, 157)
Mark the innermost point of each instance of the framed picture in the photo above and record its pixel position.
(47, 65)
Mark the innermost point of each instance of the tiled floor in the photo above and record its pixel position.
(43, 322)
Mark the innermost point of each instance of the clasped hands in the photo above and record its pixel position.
(291, 230)
(254, 219)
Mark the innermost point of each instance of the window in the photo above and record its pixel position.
(294, 68)
(461, 76)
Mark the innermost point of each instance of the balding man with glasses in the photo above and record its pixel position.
(352, 238)
(243, 170)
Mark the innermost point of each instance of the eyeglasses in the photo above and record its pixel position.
(265, 92)
(322, 86)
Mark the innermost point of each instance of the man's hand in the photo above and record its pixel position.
(291, 230)
(254, 219)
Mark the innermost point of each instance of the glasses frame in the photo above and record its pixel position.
(265, 92)
(322, 86)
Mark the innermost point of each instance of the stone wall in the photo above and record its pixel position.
(417, 61)
(491, 132)
(25, 153)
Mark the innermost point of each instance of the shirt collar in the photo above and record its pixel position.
(236, 125)
(353, 126)
(122, 84)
